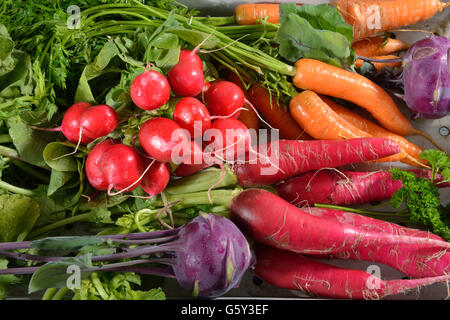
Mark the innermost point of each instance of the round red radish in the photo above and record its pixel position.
(122, 167)
(156, 178)
(229, 138)
(184, 53)
(150, 90)
(70, 125)
(159, 136)
(186, 77)
(93, 173)
(223, 98)
(193, 154)
(98, 121)
(192, 115)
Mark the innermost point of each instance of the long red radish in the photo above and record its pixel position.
(122, 167)
(329, 80)
(93, 173)
(414, 261)
(295, 272)
(271, 220)
(294, 157)
(343, 188)
(150, 90)
(369, 17)
(192, 115)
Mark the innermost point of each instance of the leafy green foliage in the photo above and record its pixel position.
(317, 32)
(65, 243)
(115, 286)
(18, 216)
(6, 280)
(421, 197)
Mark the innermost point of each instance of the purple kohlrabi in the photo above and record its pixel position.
(426, 78)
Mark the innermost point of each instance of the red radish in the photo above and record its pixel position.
(271, 220)
(191, 54)
(184, 170)
(156, 178)
(192, 115)
(414, 261)
(295, 272)
(160, 136)
(122, 167)
(295, 157)
(150, 90)
(228, 139)
(224, 98)
(342, 187)
(93, 172)
(98, 121)
(70, 125)
(186, 77)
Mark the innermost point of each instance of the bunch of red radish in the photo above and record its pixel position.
(112, 165)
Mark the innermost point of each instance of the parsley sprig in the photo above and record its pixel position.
(421, 196)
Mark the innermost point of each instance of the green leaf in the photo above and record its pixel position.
(57, 180)
(20, 75)
(165, 41)
(54, 274)
(53, 153)
(5, 280)
(29, 143)
(100, 215)
(321, 17)
(316, 32)
(18, 215)
(195, 37)
(65, 243)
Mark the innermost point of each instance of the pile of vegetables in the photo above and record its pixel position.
(130, 137)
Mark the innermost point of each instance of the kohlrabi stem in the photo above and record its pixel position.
(11, 188)
(202, 181)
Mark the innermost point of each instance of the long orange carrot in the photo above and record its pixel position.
(249, 13)
(322, 123)
(376, 131)
(378, 46)
(380, 65)
(369, 17)
(329, 80)
(275, 114)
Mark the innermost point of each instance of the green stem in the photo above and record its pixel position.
(58, 224)
(60, 294)
(31, 171)
(364, 212)
(8, 152)
(202, 181)
(5, 138)
(9, 187)
(49, 293)
(216, 21)
(98, 285)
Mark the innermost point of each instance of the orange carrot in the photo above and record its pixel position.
(249, 118)
(378, 46)
(376, 131)
(322, 123)
(249, 13)
(329, 80)
(380, 65)
(275, 114)
(369, 17)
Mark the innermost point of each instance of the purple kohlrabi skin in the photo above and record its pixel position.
(215, 257)
(426, 77)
